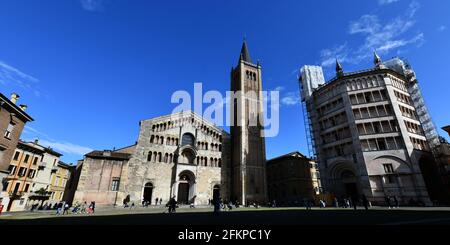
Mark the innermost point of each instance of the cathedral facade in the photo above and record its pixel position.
(184, 156)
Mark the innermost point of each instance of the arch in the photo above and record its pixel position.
(154, 156)
(188, 155)
(161, 140)
(166, 158)
(186, 187)
(149, 156)
(188, 139)
(147, 192)
(152, 139)
(216, 192)
(159, 157)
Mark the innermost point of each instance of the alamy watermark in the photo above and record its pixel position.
(227, 110)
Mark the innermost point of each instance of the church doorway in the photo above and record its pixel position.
(349, 181)
(216, 192)
(148, 192)
(186, 188)
(183, 193)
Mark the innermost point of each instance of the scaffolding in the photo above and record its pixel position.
(310, 78)
(402, 66)
(309, 131)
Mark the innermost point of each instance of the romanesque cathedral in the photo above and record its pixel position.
(184, 156)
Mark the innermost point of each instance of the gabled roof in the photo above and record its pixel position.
(294, 154)
(14, 108)
(108, 155)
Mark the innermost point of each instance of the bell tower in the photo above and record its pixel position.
(248, 153)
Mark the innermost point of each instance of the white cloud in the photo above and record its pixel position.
(291, 99)
(383, 36)
(442, 28)
(92, 5)
(279, 88)
(60, 146)
(66, 147)
(384, 2)
(12, 76)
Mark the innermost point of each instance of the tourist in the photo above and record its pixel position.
(160, 201)
(396, 205)
(217, 205)
(388, 201)
(92, 207)
(172, 204)
(230, 206)
(156, 201)
(59, 207)
(355, 201)
(336, 203)
(66, 209)
(365, 202)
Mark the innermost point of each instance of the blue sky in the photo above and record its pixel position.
(90, 70)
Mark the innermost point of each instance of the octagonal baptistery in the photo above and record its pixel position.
(179, 155)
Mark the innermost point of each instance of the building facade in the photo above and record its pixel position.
(367, 134)
(47, 167)
(12, 121)
(179, 155)
(60, 177)
(184, 156)
(22, 172)
(292, 178)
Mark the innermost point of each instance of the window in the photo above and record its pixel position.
(115, 184)
(16, 188)
(5, 186)
(16, 156)
(22, 171)
(27, 187)
(9, 130)
(188, 139)
(390, 179)
(381, 145)
(27, 157)
(35, 161)
(11, 169)
(31, 173)
(388, 168)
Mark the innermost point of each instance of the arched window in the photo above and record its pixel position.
(166, 158)
(219, 163)
(162, 140)
(159, 157)
(154, 155)
(152, 139)
(188, 139)
(149, 156)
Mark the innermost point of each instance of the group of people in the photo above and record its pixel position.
(63, 208)
(147, 203)
(352, 202)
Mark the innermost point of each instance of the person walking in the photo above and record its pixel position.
(396, 205)
(66, 209)
(365, 202)
(156, 201)
(59, 207)
(388, 201)
(217, 203)
(355, 201)
(172, 205)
